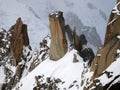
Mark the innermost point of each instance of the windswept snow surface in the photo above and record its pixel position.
(64, 69)
(35, 13)
(2, 75)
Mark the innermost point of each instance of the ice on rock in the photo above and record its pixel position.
(118, 51)
(22, 62)
(118, 36)
(98, 55)
(51, 13)
(112, 21)
(115, 9)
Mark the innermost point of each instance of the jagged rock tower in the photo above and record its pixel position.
(63, 36)
(107, 54)
(58, 46)
(18, 39)
(111, 44)
(113, 27)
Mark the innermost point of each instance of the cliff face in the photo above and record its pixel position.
(107, 56)
(111, 44)
(18, 39)
(113, 27)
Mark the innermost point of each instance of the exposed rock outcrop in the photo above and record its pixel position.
(106, 56)
(4, 45)
(113, 27)
(73, 38)
(15, 52)
(107, 53)
(62, 36)
(19, 39)
(87, 54)
(90, 32)
(58, 46)
(117, 1)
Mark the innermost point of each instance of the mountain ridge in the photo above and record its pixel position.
(65, 59)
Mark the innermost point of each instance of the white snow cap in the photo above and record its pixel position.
(56, 13)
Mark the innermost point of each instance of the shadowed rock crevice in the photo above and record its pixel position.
(80, 44)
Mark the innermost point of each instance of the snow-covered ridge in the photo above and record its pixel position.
(69, 70)
(60, 69)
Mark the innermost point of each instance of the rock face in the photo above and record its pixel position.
(73, 38)
(90, 32)
(117, 1)
(107, 54)
(113, 27)
(87, 54)
(58, 46)
(62, 36)
(111, 44)
(18, 40)
(14, 51)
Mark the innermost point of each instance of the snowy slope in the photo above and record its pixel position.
(2, 75)
(34, 13)
(64, 69)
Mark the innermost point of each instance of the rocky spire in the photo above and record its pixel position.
(59, 32)
(107, 54)
(18, 39)
(113, 27)
(112, 43)
(58, 46)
